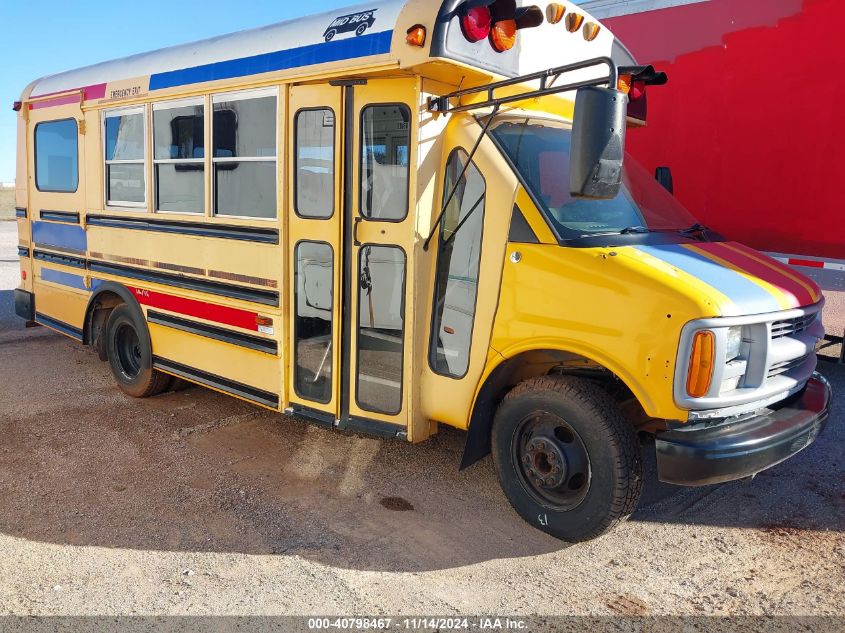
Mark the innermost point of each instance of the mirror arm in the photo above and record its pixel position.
(460, 178)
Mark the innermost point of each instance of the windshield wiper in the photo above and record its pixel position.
(695, 228)
(634, 229)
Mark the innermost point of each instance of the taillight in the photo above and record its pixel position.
(476, 23)
(702, 358)
(503, 35)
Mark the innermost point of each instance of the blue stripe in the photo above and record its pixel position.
(336, 50)
(60, 236)
(746, 295)
(63, 279)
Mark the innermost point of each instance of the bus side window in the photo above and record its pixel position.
(244, 157)
(57, 156)
(458, 257)
(385, 161)
(179, 158)
(314, 176)
(125, 138)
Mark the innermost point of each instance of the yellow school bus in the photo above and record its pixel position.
(410, 214)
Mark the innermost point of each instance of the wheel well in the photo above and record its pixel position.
(533, 364)
(96, 317)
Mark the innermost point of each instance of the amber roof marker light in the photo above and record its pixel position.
(574, 22)
(416, 35)
(591, 31)
(555, 12)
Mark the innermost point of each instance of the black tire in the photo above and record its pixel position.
(361, 30)
(547, 419)
(130, 356)
(330, 35)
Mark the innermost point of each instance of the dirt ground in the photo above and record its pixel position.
(7, 203)
(195, 503)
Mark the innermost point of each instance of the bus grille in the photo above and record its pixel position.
(791, 327)
(789, 365)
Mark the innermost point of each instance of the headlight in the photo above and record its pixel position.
(734, 344)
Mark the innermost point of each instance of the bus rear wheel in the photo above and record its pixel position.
(130, 357)
(566, 458)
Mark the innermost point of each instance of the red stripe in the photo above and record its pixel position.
(96, 91)
(816, 293)
(199, 309)
(806, 262)
(797, 294)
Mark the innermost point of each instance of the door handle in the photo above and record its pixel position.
(358, 221)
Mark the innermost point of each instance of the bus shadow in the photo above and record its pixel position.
(196, 471)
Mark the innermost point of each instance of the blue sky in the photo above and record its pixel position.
(43, 37)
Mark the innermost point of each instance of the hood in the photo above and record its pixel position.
(736, 279)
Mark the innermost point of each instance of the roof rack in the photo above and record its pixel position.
(547, 80)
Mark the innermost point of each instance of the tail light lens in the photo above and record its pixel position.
(476, 23)
(701, 363)
(503, 35)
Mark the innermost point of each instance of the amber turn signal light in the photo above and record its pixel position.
(416, 36)
(701, 361)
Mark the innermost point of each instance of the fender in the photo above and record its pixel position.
(137, 316)
(514, 366)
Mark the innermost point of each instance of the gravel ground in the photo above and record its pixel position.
(195, 503)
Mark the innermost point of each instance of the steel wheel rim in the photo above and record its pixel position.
(128, 346)
(552, 461)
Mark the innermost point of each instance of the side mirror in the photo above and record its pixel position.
(598, 143)
(663, 175)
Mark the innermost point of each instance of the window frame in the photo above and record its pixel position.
(295, 161)
(243, 95)
(172, 105)
(435, 325)
(361, 145)
(35, 154)
(118, 204)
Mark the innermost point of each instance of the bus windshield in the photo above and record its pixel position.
(539, 150)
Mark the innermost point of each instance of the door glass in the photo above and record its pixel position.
(385, 161)
(314, 299)
(315, 163)
(381, 328)
(458, 257)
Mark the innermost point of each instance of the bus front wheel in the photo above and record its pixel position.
(130, 356)
(566, 458)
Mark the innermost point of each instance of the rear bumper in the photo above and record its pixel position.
(25, 305)
(724, 452)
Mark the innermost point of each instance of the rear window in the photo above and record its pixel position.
(56, 156)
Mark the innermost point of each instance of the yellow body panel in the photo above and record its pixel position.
(216, 357)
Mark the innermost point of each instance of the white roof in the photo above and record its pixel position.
(293, 43)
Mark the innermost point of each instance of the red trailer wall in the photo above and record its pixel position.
(752, 121)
